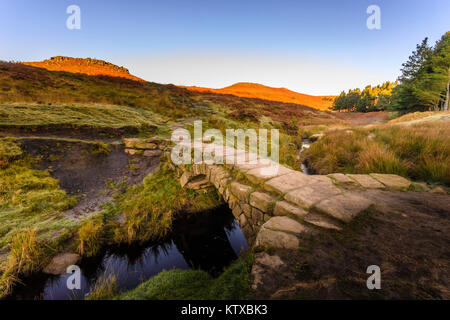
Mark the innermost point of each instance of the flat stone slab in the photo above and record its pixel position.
(392, 181)
(288, 182)
(341, 178)
(259, 175)
(366, 181)
(240, 191)
(286, 224)
(60, 262)
(321, 221)
(344, 207)
(307, 196)
(276, 239)
(261, 201)
(284, 208)
(322, 179)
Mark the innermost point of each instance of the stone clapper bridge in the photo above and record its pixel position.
(275, 207)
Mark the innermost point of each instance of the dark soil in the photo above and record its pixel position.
(88, 170)
(407, 235)
(69, 132)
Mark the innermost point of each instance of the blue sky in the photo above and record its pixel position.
(315, 47)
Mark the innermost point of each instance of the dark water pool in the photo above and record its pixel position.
(208, 241)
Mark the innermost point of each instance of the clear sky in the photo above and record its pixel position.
(315, 47)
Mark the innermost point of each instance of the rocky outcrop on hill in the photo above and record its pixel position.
(87, 66)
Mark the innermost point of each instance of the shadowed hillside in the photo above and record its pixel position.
(20, 83)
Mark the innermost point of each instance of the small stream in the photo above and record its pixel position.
(207, 241)
(306, 143)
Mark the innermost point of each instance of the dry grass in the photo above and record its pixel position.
(27, 255)
(420, 151)
(105, 288)
(148, 209)
(90, 238)
(9, 150)
(21, 83)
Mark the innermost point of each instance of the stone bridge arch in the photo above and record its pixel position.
(276, 208)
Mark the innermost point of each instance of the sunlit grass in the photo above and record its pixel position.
(420, 151)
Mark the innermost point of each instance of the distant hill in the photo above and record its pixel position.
(87, 66)
(254, 90)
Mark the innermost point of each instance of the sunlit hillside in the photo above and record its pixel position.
(254, 90)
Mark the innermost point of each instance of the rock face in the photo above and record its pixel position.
(87, 66)
(150, 148)
(59, 263)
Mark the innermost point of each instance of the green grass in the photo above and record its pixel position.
(232, 284)
(9, 150)
(77, 115)
(148, 209)
(31, 199)
(21, 83)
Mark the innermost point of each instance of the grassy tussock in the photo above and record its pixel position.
(31, 203)
(420, 151)
(9, 150)
(148, 209)
(233, 284)
(31, 199)
(90, 238)
(105, 288)
(27, 255)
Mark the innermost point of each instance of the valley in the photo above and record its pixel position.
(85, 172)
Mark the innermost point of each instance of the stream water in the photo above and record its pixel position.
(306, 143)
(208, 241)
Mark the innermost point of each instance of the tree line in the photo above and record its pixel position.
(424, 84)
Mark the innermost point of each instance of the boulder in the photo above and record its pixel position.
(59, 263)
(277, 239)
(135, 143)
